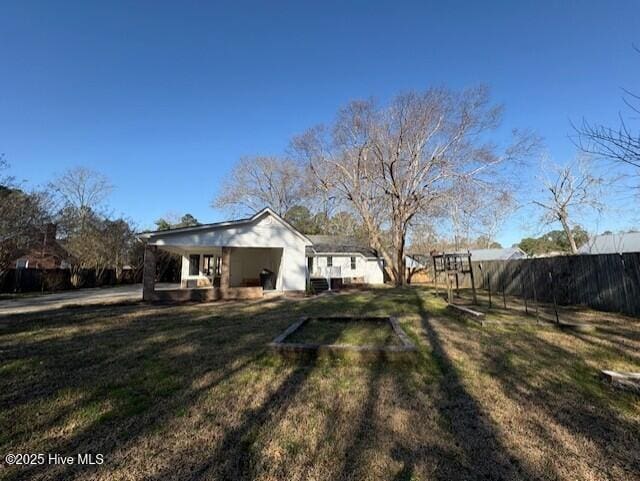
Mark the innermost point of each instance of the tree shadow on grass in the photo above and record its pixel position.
(558, 383)
(130, 369)
(485, 456)
(235, 457)
(105, 435)
(113, 361)
(364, 432)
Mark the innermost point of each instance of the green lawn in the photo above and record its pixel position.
(190, 392)
(352, 332)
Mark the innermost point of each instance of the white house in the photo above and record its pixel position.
(343, 259)
(241, 259)
(415, 262)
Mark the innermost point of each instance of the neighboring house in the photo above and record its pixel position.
(344, 259)
(612, 244)
(505, 254)
(240, 259)
(415, 262)
(550, 254)
(417, 268)
(45, 252)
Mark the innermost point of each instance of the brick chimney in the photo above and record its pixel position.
(50, 231)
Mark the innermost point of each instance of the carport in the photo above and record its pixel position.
(229, 260)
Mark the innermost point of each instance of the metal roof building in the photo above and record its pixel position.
(612, 244)
(508, 253)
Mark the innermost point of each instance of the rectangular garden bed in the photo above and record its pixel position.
(369, 338)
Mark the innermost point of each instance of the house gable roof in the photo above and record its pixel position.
(330, 244)
(148, 235)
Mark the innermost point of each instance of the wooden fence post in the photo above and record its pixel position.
(524, 294)
(457, 286)
(535, 296)
(473, 283)
(553, 293)
(504, 295)
(435, 276)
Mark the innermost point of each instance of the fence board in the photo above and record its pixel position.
(609, 282)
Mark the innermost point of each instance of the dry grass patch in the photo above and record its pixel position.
(348, 331)
(191, 392)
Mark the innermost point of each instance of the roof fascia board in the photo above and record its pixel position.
(216, 225)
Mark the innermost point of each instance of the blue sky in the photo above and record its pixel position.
(163, 97)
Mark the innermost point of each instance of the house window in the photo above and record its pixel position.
(353, 263)
(310, 264)
(329, 261)
(207, 266)
(218, 265)
(194, 264)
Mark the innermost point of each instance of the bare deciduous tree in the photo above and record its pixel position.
(80, 192)
(257, 182)
(568, 192)
(83, 188)
(622, 143)
(498, 206)
(5, 180)
(394, 163)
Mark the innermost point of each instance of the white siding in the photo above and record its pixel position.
(411, 263)
(374, 272)
(368, 269)
(265, 232)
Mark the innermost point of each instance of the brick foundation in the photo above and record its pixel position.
(206, 295)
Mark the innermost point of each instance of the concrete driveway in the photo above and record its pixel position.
(98, 295)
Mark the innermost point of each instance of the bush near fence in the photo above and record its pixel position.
(608, 282)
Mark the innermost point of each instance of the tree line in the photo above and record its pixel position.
(94, 239)
(74, 202)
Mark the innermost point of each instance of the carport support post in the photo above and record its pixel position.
(149, 272)
(224, 270)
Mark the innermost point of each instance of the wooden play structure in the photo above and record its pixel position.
(453, 265)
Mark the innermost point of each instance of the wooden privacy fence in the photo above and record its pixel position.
(51, 280)
(608, 282)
